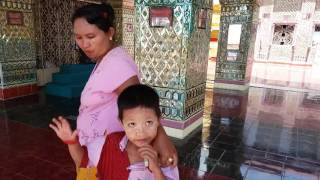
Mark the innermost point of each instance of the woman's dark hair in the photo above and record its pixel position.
(101, 15)
(138, 96)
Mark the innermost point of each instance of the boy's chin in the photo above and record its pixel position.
(139, 144)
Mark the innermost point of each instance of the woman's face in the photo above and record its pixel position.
(94, 42)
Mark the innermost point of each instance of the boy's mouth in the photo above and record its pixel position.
(141, 141)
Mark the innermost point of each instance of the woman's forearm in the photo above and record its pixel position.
(76, 152)
(162, 133)
(165, 148)
(158, 175)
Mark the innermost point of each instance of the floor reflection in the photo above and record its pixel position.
(259, 134)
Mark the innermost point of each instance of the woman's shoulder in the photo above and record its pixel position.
(119, 53)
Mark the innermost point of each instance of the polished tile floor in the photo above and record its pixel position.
(261, 134)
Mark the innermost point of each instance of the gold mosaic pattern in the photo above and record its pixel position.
(124, 11)
(194, 100)
(128, 30)
(21, 5)
(56, 32)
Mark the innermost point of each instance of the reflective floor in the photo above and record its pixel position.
(262, 134)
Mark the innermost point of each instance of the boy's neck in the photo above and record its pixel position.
(131, 146)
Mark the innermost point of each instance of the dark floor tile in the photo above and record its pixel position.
(193, 174)
(302, 165)
(298, 174)
(258, 173)
(45, 170)
(236, 157)
(228, 170)
(65, 175)
(276, 157)
(199, 162)
(5, 173)
(271, 166)
(225, 146)
(20, 163)
(229, 139)
(214, 151)
(253, 152)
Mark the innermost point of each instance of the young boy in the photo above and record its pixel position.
(128, 154)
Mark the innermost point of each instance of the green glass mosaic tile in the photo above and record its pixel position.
(174, 59)
(234, 12)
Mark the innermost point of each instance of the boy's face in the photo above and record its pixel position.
(140, 124)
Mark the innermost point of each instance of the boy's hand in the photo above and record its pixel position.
(62, 128)
(147, 152)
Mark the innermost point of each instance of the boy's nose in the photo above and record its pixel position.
(139, 130)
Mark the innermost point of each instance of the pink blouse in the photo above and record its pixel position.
(98, 112)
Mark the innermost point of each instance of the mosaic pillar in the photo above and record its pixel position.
(124, 10)
(234, 43)
(17, 49)
(171, 50)
(56, 45)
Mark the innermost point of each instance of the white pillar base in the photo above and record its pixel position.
(182, 133)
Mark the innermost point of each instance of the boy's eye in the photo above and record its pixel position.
(131, 124)
(149, 123)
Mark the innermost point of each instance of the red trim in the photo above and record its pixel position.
(214, 39)
(70, 142)
(19, 91)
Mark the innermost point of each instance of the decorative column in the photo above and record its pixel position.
(234, 43)
(171, 50)
(124, 10)
(17, 49)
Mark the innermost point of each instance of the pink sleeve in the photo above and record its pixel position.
(113, 73)
(171, 173)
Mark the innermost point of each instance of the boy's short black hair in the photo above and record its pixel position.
(138, 95)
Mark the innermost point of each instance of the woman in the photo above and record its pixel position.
(93, 27)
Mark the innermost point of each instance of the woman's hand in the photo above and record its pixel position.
(167, 151)
(63, 130)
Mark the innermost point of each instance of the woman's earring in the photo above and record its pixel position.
(110, 38)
